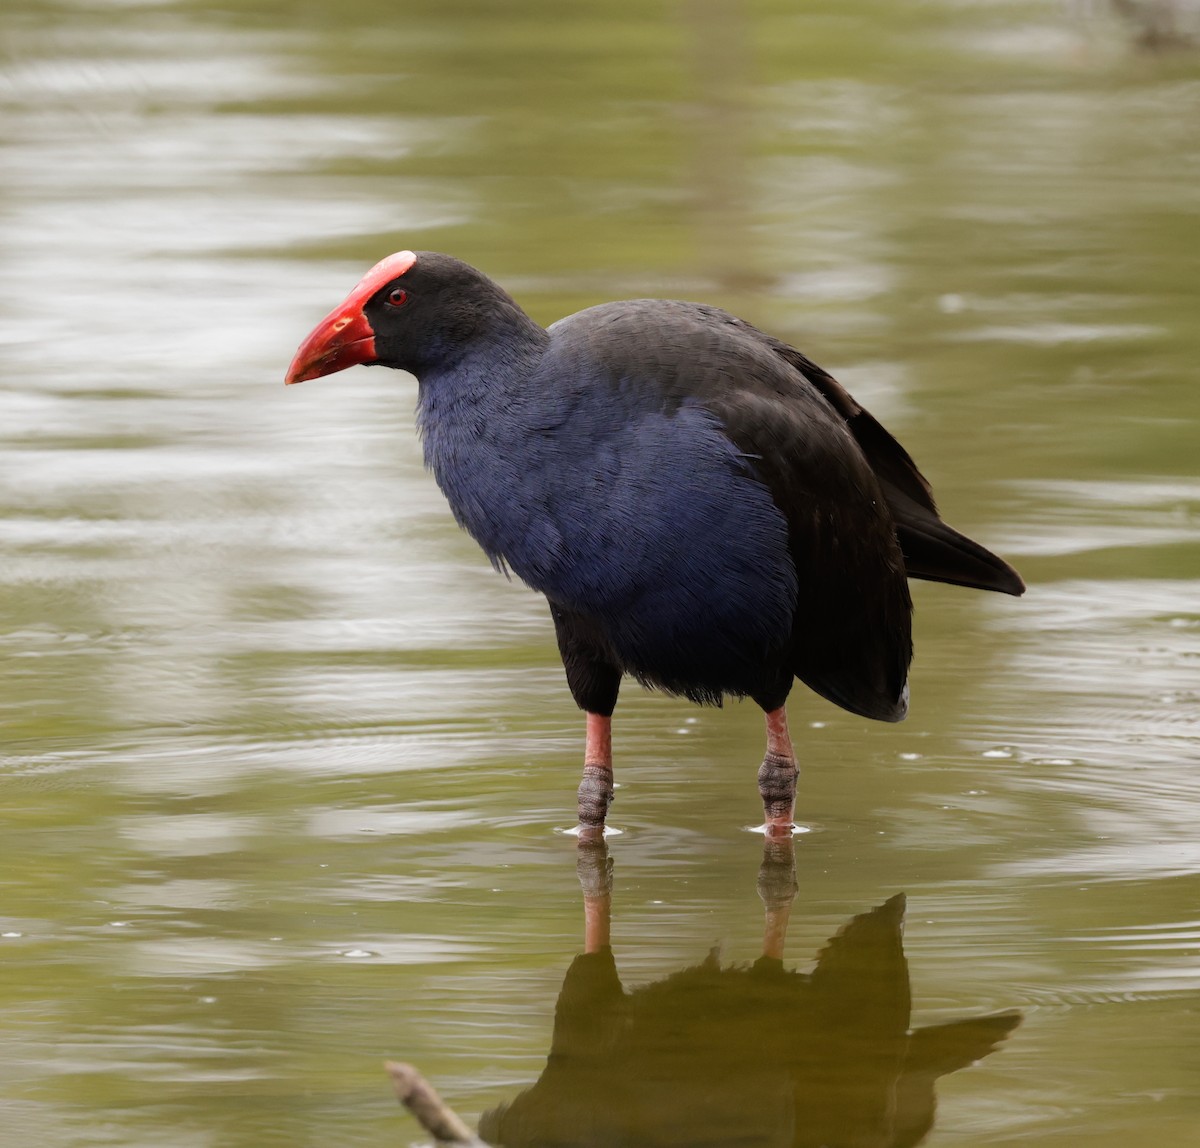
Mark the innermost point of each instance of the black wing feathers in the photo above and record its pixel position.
(861, 517)
(932, 550)
(851, 638)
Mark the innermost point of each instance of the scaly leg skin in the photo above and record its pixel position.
(777, 776)
(596, 788)
(777, 890)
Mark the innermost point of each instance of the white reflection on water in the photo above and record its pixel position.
(184, 835)
(396, 820)
(207, 955)
(1116, 672)
(126, 192)
(1076, 516)
(1056, 334)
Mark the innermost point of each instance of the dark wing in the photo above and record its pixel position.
(848, 636)
(860, 516)
(851, 637)
(932, 550)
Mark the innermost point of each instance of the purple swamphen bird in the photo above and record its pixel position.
(703, 507)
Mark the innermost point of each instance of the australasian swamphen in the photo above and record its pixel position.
(703, 506)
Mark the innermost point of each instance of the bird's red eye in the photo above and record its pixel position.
(397, 297)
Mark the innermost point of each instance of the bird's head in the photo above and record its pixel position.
(412, 311)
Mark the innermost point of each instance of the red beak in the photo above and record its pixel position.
(342, 339)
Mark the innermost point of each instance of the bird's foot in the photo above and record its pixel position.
(595, 796)
(777, 788)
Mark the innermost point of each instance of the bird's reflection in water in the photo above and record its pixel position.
(742, 1056)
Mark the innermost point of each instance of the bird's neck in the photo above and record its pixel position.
(485, 372)
(470, 407)
(475, 419)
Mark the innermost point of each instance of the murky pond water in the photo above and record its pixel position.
(283, 759)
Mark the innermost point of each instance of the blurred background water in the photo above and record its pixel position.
(282, 758)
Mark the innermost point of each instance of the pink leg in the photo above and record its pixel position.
(777, 776)
(596, 788)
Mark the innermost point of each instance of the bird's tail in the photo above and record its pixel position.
(938, 553)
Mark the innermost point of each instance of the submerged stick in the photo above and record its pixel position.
(428, 1108)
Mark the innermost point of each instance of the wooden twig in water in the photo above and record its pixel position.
(428, 1108)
